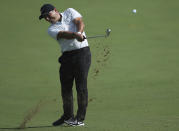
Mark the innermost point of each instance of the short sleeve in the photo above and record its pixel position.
(74, 13)
(53, 32)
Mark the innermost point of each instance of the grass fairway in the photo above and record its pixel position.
(134, 88)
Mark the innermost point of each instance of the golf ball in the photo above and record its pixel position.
(134, 11)
(109, 30)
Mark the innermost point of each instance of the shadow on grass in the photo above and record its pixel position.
(17, 128)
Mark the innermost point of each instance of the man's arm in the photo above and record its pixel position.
(79, 24)
(70, 35)
(73, 35)
(66, 35)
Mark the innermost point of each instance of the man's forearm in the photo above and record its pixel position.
(79, 24)
(70, 35)
(66, 35)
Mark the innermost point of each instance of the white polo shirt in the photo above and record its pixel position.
(67, 24)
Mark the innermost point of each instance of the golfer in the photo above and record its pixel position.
(67, 28)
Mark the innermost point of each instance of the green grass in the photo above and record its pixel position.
(136, 89)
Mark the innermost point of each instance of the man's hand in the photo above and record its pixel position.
(79, 37)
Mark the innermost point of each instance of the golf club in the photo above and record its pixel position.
(108, 31)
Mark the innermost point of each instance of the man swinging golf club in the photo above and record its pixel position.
(68, 29)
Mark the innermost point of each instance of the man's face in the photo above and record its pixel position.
(53, 16)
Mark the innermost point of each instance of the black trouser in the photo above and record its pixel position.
(75, 66)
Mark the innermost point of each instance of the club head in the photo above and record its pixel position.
(108, 31)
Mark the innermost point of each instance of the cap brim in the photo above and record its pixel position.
(42, 15)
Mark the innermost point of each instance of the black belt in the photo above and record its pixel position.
(76, 51)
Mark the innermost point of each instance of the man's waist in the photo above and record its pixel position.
(76, 51)
(73, 44)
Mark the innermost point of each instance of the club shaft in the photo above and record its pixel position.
(95, 36)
